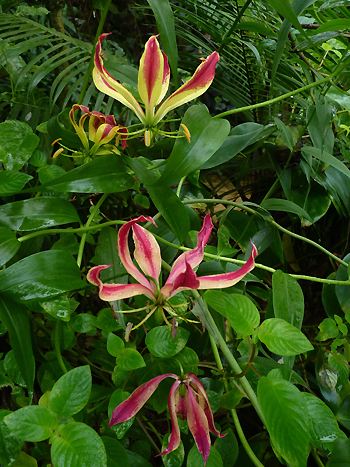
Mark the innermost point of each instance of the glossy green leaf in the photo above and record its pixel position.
(174, 458)
(130, 359)
(24, 460)
(207, 135)
(9, 445)
(341, 454)
(16, 319)
(228, 448)
(17, 144)
(34, 277)
(76, 444)
(71, 392)
(12, 182)
(284, 205)
(286, 419)
(166, 27)
(116, 453)
(327, 159)
(31, 423)
(161, 343)
(282, 338)
(328, 329)
(240, 137)
(9, 245)
(36, 213)
(240, 311)
(106, 174)
(194, 459)
(114, 344)
(288, 299)
(324, 425)
(343, 293)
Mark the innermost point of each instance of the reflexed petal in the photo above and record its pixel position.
(110, 86)
(166, 78)
(79, 128)
(147, 252)
(220, 281)
(105, 133)
(124, 252)
(193, 257)
(185, 280)
(111, 292)
(174, 439)
(137, 400)
(151, 73)
(194, 87)
(207, 409)
(197, 424)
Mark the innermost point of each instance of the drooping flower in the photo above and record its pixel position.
(96, 137)
(153, 84)
(147, 256)
(187, 399)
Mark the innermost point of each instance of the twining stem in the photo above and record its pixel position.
(178, 247)
(200, 310)
(94, 212)
(275, 99)
(267, 219)
(234, 414)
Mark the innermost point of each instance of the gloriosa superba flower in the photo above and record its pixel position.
(97, 138)
(153, 84)
(187, 399)
(147, 255)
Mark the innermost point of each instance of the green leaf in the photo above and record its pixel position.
(32, 423)
(343, 293)
(327, 159)
(286, 419)
(16, 320)
(341, 454)
(76, 444)
(9, 445)
(328, 329)
(174, 458)
(17, 144)
(12, 182)
(114, 344)
(238, 309)
(324, 425)
(116, 453)
(130, 359)
(34, 277)
(106, 174)
(9, 245)
(194, 459)
(166, 27)
(207, 135)
(240, 137)
(276, 204)
(288, 299)
(286, 10)
(35, 213)
(24, 460)
(282, 338)
(71, 392)
(228, 448)
(161, 343)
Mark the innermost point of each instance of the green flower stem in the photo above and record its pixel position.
(201, 311)
(234, 414)
(57, 345)
(97, 227)
(275, 99)
(87, 78)
(94, 212)
(270, 220)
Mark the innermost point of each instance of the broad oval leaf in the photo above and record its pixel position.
(12, 182)
(161, 343)
(286, 419)
(194, 458)
(36, 213)
(35, 278)
(32, 423)
(284, 205)
(288, 299)
(114, 344)
(130, 359)
(17, 144)
(9, 245)
(106, 174)
(238, 309)
(282, 338)
(71, 392)
(16, 319)
(207, 135)
(76, 444)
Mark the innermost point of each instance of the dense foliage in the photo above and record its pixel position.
(174, 262)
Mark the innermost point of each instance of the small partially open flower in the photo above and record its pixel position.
(153, 84)
(187, 399)
(96, 137)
